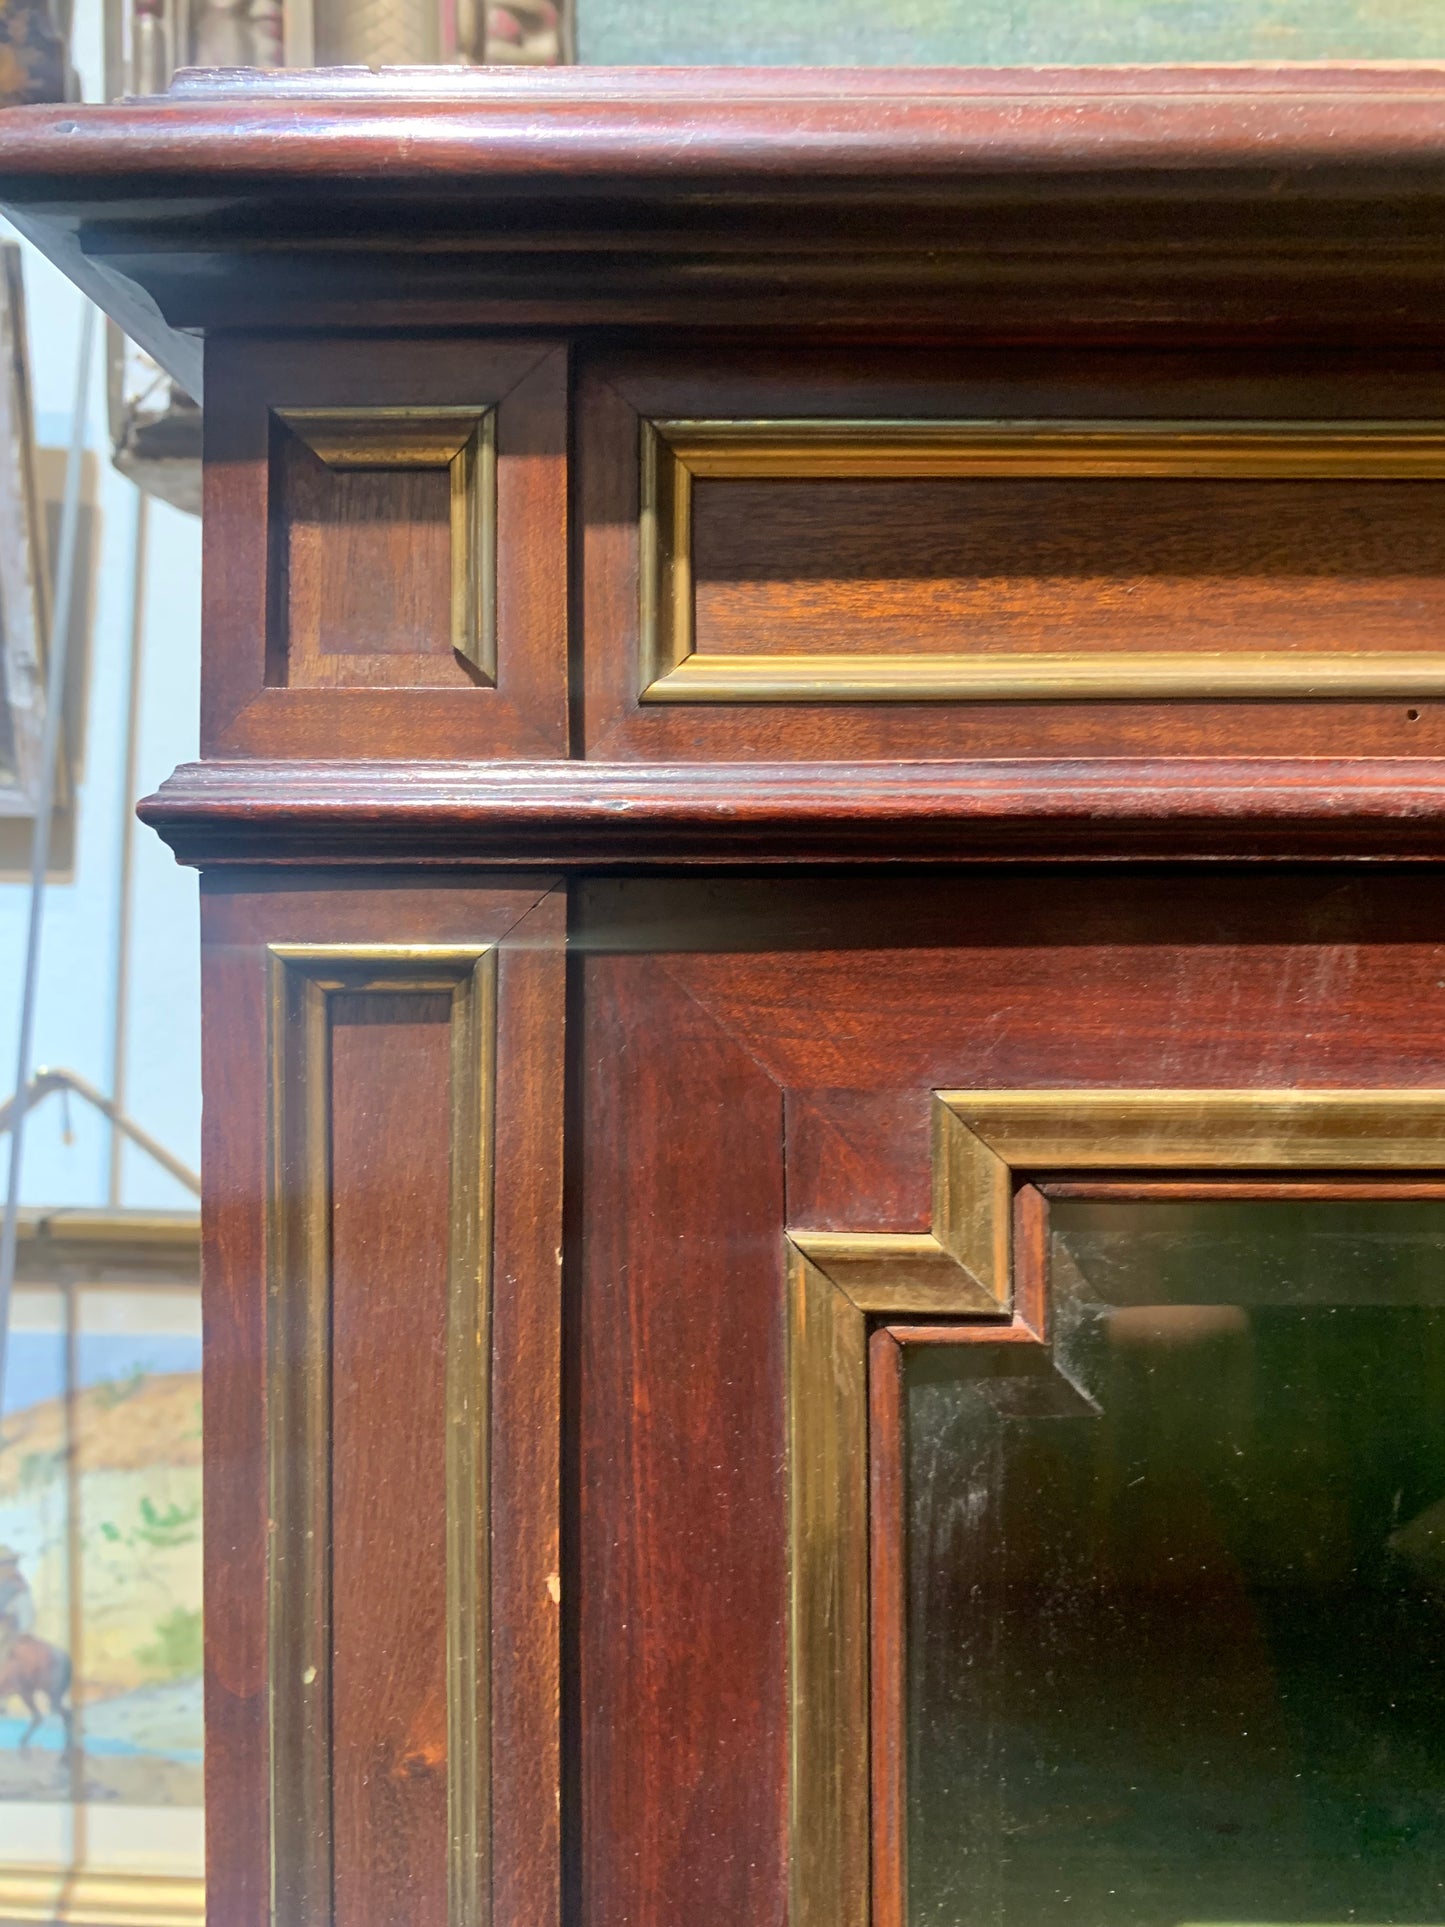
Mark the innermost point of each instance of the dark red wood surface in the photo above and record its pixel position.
(760, 1053)
(844, 908)
(250, 706)
(526, 1439)
(390, 1122)
(805, 582)
(389, 1208)
(681, 1720)
(581, 816)
(1237, 201)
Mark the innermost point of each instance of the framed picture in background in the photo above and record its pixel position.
(100, 1574)
(23, 612)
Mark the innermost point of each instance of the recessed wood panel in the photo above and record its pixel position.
(998, 566)
(377, 1416)
(362, 562)
(356, 1212)
(932, 555)
(390, 1140)
(1037, 560)
(386, 550)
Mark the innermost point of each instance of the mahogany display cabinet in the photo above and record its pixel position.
(822, 785)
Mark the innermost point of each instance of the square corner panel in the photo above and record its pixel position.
(386, 550)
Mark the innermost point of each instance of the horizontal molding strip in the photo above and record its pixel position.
(561, 815)
(1117, 675)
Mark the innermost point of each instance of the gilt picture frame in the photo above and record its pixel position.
(101, 1808)
(24, 614)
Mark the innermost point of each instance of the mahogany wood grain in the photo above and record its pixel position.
(588, 816)
(784, 927)
(1008, 1332)
(681, 1555)
(861, 997)
(853, 998)
(1031, 1260)
(385, 1430)
(1238, 201)
(1067, 565)
(526, 1435)
(837, 1181)
(250, 704)
(1023, 978)
(1074, 565)
(233, 1434)
(390, 1119)
(362, 594)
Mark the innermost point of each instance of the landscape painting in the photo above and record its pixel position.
(1003, 33)
(100, 1548)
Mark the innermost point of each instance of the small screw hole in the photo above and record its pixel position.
(1412, 715)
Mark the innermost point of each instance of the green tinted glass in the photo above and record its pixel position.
(1176, 1614)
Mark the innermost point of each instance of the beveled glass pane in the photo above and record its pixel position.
(1176, 1596)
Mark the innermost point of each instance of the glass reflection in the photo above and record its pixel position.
(1177, 1597)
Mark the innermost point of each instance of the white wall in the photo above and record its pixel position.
(76, 1013)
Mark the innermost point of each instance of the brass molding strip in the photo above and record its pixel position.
(1057, 678)
(464, 442)
(674, 453)
(303, 978)
(1345, 1130)
(983, 1143)
(961, 1266)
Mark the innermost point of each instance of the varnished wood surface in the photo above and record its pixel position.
(817, 578)
(358, 585)
(1067, 565)
(389, 1208)
(526, 1438)
(783, 927)
(1257, 201)
(769, 123)
(362, 574)
(578, 815)
(762, 1052)
(390, 1154)
(681, 1563)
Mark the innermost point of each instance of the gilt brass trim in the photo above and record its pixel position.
(464, 442)
(674, 453)
(303, 979)
(983, 1143)
(1246, 1130)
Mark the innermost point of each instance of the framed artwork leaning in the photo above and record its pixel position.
(100, 1574)
(23, 610)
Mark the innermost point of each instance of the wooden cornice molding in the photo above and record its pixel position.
(572, 814)
(1304, 201)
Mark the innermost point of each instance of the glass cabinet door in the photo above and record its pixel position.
(1175, 1596)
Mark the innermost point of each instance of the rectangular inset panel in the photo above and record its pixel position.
(388, 1454)
(377, 1381)
(382, 557)
(903, 561)
(1174, 1632)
